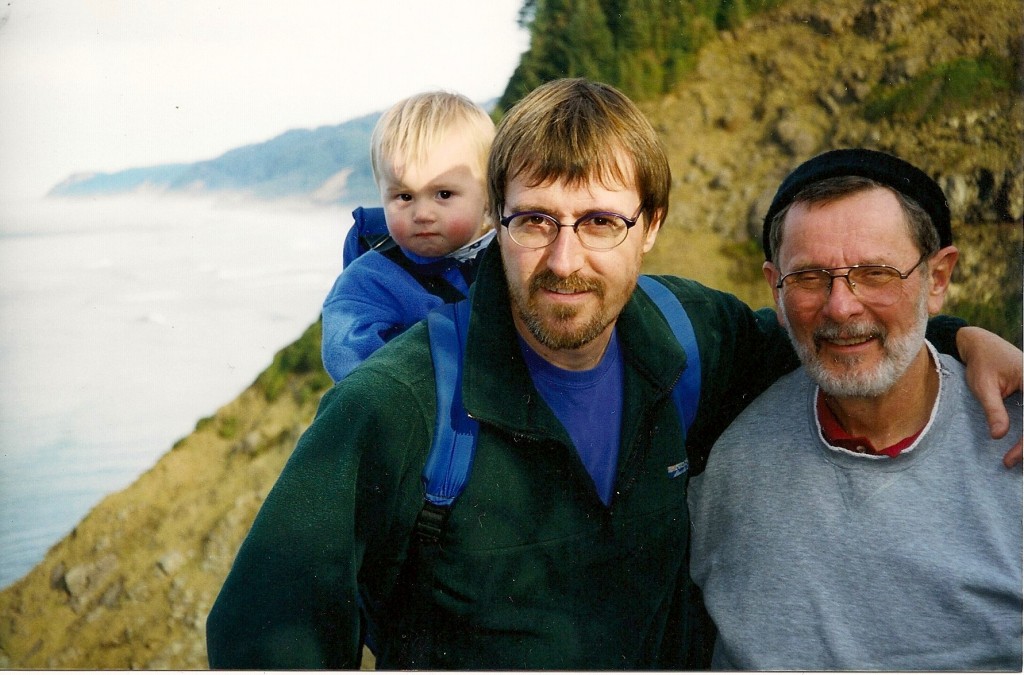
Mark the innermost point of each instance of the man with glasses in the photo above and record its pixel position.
(849, 518)
(567, 547)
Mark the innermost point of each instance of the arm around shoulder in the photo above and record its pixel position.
(995, 369)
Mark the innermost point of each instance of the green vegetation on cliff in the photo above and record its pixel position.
(946, 88)
(644, 47)
(302, 357)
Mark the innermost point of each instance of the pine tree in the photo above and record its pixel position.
(640, 46)
(568, 38)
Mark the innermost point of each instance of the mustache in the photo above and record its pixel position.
(574, 283)
(830, 330)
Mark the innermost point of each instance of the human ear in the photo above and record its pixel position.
(940, 272)
(771, 275)
(652, 229)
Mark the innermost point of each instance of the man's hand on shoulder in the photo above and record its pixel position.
(995, 369)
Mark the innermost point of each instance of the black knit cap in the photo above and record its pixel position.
(887, 169)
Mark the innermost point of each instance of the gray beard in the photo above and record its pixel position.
(899, 353)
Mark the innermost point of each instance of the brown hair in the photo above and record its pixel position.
(574, 130)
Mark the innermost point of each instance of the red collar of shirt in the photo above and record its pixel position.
(837, 436)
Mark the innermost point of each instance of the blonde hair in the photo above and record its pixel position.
(411, 128)
(575, 130)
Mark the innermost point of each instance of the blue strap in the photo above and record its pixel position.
(369, 228)
(686, 393)
(454, 446)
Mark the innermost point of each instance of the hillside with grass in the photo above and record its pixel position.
(938, 82)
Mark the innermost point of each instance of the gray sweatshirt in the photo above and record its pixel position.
(814, 558)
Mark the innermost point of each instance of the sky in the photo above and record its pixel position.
(104, 85)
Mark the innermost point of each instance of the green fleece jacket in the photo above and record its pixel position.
(532, 571)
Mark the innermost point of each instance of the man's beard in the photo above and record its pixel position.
(554, 331)
(898, 354)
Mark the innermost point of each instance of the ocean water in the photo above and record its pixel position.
(124, 321)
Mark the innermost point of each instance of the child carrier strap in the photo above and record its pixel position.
(451, 453)
(433, 282)
(686, 393)
(369, 232)
(455, 432)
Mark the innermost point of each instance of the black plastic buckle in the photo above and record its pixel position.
(430, 522)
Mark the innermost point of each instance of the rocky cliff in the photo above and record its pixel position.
(936, 81)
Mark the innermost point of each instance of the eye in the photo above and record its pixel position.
(445, 194)
(530, 221)
(607, 223)
(809, 279)
(534, 220)
(875, 276)
(403, 197)
(599, 221)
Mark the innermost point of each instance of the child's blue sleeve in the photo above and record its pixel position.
(372, 301)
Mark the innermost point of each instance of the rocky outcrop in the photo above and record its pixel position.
(768, 96)
(131, 586)
(912, 77)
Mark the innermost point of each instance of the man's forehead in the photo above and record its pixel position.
(876, 205)
(562, 197)
(612, 168)
(868, 224)
(591, 184)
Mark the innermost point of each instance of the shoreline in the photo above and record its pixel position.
(130, 586)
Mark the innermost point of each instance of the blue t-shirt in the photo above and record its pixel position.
(588, 403)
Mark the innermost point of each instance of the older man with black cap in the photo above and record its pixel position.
(851, 518)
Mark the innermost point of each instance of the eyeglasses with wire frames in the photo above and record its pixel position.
(597, 231)
(870, 283)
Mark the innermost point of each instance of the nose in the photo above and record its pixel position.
(422, 211)
(842, 301)
(565, 253)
